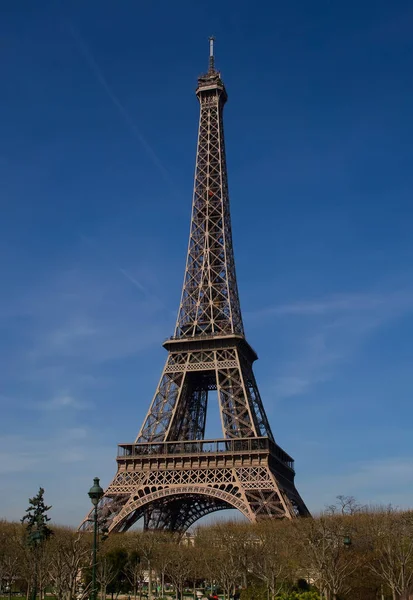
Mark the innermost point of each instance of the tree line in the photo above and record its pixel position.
(346, 552)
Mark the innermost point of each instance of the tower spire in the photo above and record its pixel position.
(211, 54)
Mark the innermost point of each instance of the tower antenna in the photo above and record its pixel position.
(211, 54)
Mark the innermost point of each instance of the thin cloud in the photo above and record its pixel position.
(63, 402)
(73, 328)
(112, 340)
(382, 481)
(336, 328)
(288, 386)
(313, 364)
(402, 299)
(42, 457)
(21, 453)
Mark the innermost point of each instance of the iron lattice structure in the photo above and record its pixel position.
(171, 476)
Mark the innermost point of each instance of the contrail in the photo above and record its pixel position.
(97, 249)
(90, 59)
(132, 279)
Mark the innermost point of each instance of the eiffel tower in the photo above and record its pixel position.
(171, 476)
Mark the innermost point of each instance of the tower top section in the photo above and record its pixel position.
(209, 302)
(212, 79)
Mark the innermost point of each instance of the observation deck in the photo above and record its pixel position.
(210, 341)
(255, 450)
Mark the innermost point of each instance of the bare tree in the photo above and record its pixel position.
(379, 559)
(135, 572)
(180, 566)
(10, 554)
(390, 534)
(69, 555)
(148, 546)
(34, 567)
(345, 505)
(163, 556)
(224, 560)
(105, 574)
(272, 557)
(323, 554)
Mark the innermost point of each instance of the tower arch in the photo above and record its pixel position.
(183, 507)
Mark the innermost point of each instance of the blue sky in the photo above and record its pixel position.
(97, 149)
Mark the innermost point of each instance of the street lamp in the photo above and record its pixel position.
(95, 494)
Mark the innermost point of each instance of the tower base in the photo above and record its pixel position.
(173, 484)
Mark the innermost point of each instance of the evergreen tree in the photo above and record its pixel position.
(118, 560)
(36, 519)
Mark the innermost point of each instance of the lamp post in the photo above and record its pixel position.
(95, 494)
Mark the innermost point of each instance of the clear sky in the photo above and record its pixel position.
(98, 124)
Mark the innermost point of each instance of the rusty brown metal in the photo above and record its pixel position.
(170, 475)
